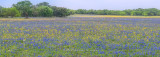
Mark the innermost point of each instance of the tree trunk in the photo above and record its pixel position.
(26, 15)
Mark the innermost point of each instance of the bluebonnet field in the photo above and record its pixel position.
(81, 37)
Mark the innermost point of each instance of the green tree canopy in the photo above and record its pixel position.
(1, 11)
(43, 4)
(45, 11)
(34, 11)
(71, 12)
(133, 12)
(81, 11)
(60, 11)
(4, 12)
(13, 12)
(24, 7)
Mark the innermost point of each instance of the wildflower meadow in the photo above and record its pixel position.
(81, 37)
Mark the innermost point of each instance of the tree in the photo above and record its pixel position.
(71, 12)
(34, 11)
(113, 12)
(106, 12)
(158, 13)
(138, 13)
(13, 12)
(152, 11)
(1, 11)
(45, 11)
(60, 11)
(24, 7)
(128, 11)
(43, 4)
(4, 12)
(145, 13)
(133, 13)
(100, 12)
(91, 11)
(122, 13)
(81, 11)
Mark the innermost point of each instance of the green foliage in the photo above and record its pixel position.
(61, 12)
(71, 12)
(24, 7)
(100, 12)
(81, 11)
(145, 13)
(13, 12)
(128, 11)
(134, 12)
(45, 11)
(34, 11)
(122, 13)
(41, 10)
(152, 11)
(43, 4)
(91, 11)
(4, 12)
(1, 11)
(158, 13)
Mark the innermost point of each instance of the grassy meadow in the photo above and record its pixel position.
(80, 37)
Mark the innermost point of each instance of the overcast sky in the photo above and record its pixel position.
(94, 4)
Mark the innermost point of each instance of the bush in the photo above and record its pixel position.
(45, 11)
(13, 12)
(61, 12)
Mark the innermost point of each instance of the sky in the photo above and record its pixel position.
(93, 4)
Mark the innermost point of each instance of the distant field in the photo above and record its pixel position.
(80, 37)
(79, 16)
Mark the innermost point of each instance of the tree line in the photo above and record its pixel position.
(27, 9)
(128, 12)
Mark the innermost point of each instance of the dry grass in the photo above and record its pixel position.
(81, 16)
(23, 19)
(113, 16)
